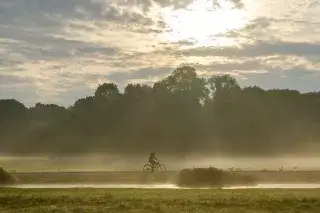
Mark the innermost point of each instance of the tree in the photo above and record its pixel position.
(169, 117)
(184, 81)
(107, 91)
(47, 113)
(11, 109)
(137, 91)
(222, 84)
(13, 123)
(83, 104)
(11, 113)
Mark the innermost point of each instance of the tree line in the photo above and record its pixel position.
(182, 113)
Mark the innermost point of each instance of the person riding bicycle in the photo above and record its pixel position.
(153, 160)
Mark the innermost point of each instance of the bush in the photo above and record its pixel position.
(211, 177)
(6, 178)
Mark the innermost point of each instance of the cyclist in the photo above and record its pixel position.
(153, 160)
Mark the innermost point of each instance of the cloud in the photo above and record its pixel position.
(238, 4)
(37, 27)
(148, 4)
(26, 96)
(181, 43)
(230, 66)
(300, 79)
(259, 48)
(8, 80)
(17, 87)
(28, 93)
(44, 12)
(290, 29)
(8, 62)
(57, 51)
(38, 47)
(314, 3)
(142, 73)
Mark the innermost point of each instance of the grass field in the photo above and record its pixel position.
(155, 200)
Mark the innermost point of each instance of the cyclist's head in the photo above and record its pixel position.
(152, 153)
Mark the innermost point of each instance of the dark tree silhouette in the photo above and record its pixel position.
(183, 113)
(108, 91)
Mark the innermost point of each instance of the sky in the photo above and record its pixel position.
(57, 51)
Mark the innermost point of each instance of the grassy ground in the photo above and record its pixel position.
(159, 201)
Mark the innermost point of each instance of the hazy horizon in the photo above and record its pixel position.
(135, 163)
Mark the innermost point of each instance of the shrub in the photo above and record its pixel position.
(6, 178)
(211, 177)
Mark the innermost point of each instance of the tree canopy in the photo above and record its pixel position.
(182, 113)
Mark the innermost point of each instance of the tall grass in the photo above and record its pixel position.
(158, 200)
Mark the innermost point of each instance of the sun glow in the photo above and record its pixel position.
(204, 23)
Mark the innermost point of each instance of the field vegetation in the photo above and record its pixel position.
(212, 177)
(6, 177)
(158, 200)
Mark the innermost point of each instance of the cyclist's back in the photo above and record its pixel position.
(152, 159)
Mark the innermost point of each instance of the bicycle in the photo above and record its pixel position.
(158, 167)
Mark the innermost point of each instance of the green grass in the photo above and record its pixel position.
(158, 201)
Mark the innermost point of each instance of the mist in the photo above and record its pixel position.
(109, 162)
(184, 118)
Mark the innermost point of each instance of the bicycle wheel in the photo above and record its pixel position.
(147, 168)
(161, 168)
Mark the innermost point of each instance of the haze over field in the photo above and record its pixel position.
(109, 162)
